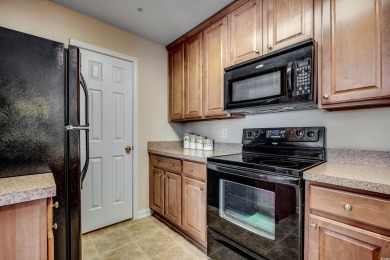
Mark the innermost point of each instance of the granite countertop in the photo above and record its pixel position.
(175, 149)
(363, 177)
(26, 188)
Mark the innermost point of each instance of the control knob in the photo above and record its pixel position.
(310, 134)
(299, 133)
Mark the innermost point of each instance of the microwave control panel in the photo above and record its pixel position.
(303, 77)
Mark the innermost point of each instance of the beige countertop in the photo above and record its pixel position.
(26, 188)
(363, 177)
(188, 154)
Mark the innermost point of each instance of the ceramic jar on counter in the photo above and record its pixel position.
(186, 140)
(208, 144)
(199, 142)
(193, 141)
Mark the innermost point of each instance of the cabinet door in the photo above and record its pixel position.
(173, 198)
(286, 22)
(194, 208)
(176, 88)
(215, 60)
(355, 59)
(193, 77)
(329, 240)
(245, 29)
(156, 199)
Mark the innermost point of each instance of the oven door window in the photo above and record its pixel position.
(259, 87)
(249, 207)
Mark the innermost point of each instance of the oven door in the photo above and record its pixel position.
(253, 214)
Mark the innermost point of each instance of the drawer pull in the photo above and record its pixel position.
(347, 207)
(56, 205)
(160, 174)
(313, 226)
(156, 161)
(54, 226)
(191, 170)
(172, 164)
(201, 188)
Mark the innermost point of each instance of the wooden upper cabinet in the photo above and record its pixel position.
(193, 77)
(354, 52)
(245, 32)
(176, 88)
(215, 60)
(286, 22)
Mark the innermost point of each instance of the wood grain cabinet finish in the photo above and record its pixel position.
(193, 77)
(172, 198)
(215, 60)
(354, 52)
(286, 22)
(176, 83)
(156, 194)
(331, 240)
(245, 32)
(26, 230)
(342, 224)
(194, 209)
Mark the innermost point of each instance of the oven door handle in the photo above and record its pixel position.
(257, 174)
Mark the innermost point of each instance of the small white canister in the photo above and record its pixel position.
(186, 140)
(193, 141)
(208, 144)
(199, 142)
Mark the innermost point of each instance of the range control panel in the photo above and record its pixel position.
(288, 134)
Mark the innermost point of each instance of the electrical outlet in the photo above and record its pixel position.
(224, 133)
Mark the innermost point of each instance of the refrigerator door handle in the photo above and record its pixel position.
(84, 127)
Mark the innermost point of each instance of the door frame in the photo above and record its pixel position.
(114, 54)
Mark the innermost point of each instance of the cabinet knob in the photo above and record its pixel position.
(191, 170)
(160, 174)
(269, 46)
(313, 226)
(56, 205)
(347, 207)
(172, 164)
(156, 161)
(325, 96)
(201, 188)
(257, 51)
(54, 226)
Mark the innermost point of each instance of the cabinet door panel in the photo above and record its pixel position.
(176, 70)
(157, 190)
(287, 22)
(215, 60)
(193, 77)
(245, 29)
(173, 198)
(334, 240)
(351, 51)
(194, 208)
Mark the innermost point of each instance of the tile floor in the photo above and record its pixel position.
(146, 238)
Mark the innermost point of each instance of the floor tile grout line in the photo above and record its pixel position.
(136, 242)
(95, 248)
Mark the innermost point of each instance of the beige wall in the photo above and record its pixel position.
(52, 21)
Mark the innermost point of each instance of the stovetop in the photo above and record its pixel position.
(287, 151)
(270, 163)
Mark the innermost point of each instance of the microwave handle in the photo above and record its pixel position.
(290, 73)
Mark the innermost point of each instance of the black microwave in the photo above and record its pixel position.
(283, 80)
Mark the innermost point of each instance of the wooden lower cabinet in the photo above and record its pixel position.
(179, 198)
(26, 230)
(172, 197)
(194, 208)
(346, 224)
(329, 239)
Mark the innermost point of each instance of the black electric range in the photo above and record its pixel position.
(255, 199)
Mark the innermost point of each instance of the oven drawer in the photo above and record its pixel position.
(362, 208)
(195, 170)
(165, 163)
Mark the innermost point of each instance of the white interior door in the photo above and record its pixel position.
(106, 197)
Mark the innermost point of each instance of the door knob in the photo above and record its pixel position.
(128, 149)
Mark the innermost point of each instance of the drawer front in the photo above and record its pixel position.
(165, 163)
(194, 170)
(362, 208)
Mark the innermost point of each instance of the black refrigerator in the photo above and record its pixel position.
(40, 85)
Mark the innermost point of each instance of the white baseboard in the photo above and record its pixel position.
(143, 213)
